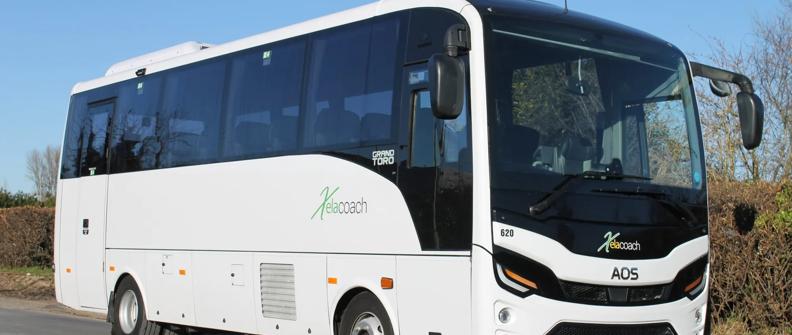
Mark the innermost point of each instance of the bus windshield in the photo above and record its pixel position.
(578, 103)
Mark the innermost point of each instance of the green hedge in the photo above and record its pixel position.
(751, 270)
(26, 236)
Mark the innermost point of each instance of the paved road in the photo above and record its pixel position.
(23, 322)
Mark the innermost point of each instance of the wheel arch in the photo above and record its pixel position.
(350, 293)
(136, 279)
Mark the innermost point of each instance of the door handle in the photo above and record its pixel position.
(85, 227)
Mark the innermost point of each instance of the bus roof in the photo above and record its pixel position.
(180, 55)
(191, 52)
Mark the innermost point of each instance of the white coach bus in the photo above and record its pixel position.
(439, 167)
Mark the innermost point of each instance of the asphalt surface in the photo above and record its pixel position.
(26, 322)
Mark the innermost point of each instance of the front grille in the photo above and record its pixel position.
(614, 295)
(591, 329)
(585, 293)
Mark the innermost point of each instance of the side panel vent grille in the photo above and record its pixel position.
(277, 291)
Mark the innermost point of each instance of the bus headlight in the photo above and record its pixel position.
(691, 280)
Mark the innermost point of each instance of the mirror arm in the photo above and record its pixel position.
(713, 73)
(457, 39)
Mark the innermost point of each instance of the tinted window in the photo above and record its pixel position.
(72, 143)
(191, 106)
(428, 27)
(422, 143)
(135, 145)
(350, 92)
(94, 139)
(264, 100)
(376, 120)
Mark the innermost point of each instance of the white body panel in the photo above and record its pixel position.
(257, 205)
(597, 271)
(89, 257)
(225, 282)
(433, 295)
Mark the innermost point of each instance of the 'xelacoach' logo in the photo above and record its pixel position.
(330, 207)
(612, 243)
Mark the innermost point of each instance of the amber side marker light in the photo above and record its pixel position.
(694, 284)
(112, 268)
(68, 270)
(332, 280)
(520, 279)
(182, 272)
(386, 283)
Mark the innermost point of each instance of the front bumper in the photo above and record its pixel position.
(538, 315)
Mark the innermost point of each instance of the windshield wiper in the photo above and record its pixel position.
(662, 198)
(606, 175)
(561, 188)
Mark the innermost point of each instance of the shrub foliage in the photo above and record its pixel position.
(26, 236)
(751, 269)
(19, 199)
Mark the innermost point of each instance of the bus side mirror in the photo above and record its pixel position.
(751, 111)
(446, 86)
(750, 107)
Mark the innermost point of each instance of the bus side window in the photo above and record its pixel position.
(264, 100)
(72, 143)
(350, 92)
(377, 121)
(134, 142)
(192, 108)
(94, 139)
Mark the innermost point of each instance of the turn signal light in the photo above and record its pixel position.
(694, 284)
(520, 279)
(386, 283)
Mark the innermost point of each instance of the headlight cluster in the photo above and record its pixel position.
(524, 277)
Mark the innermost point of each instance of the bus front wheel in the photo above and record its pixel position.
(365, 315)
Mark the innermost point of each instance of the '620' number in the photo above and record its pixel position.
(507, 232)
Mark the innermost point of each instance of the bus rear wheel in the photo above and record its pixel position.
(130, 314)
(365, 315)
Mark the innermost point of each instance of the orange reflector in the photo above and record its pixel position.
(386, 283)
(112, 268)
(182, 272)
(694, 284)
(68, 270)
(332, 280)
(520, 279)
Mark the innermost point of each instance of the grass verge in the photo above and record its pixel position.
(32, 270)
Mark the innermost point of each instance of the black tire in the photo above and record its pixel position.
(143, 326)
(364, 304)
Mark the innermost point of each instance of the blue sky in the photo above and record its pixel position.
(47, 46)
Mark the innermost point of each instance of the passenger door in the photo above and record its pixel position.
(90, 249)
(435, 173)
(418, 154)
